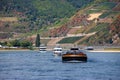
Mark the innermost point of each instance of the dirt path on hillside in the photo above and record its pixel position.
(94, 16)
(8, 19)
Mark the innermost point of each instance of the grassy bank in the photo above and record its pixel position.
(112, 49)
(6, 49)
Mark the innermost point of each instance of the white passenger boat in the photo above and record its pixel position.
(42, 49)
(57, 51)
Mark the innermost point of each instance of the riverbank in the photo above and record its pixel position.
(14, 49)
(106, 50)
(36, 49)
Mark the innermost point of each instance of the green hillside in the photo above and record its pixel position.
(55, 18)
(106, 25)
(34, 15)
(69, 40)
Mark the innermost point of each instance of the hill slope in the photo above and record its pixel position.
(57, 19)
(97, 17)
(33, 15)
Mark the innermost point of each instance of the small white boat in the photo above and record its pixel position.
(57, 51)
(42, 49)
(89, 48)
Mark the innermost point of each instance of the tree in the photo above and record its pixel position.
(26, 44)
(16, 43)
(9, 44)
(37, 42)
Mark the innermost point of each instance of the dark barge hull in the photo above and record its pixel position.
(73, 58)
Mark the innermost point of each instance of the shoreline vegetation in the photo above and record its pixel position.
(37, 49)
(14, 49)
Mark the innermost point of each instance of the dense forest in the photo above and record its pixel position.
(40, 12)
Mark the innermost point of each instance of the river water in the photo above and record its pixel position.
(33, 65)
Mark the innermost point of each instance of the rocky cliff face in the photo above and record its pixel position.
(114, 31)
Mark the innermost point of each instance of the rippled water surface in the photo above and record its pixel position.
(32, 65)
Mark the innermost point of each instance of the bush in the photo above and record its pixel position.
(25, 44)
(15, 43)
